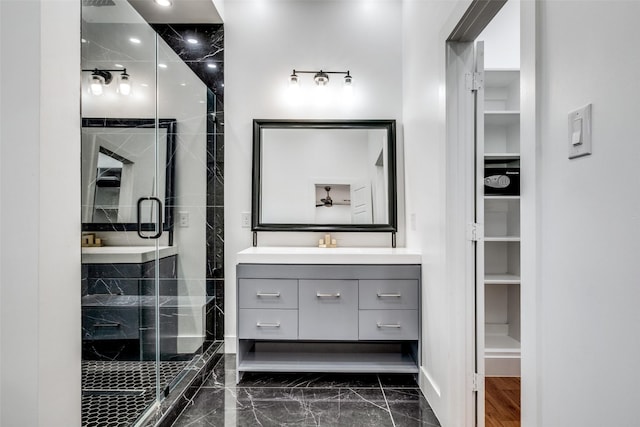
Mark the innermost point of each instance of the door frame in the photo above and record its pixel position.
(461, 257)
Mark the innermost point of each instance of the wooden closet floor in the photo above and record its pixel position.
(502, 402)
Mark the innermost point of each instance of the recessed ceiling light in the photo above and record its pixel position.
(212, 65)
(164, 3)
(135, 40)
(192, 40)
(162, 65)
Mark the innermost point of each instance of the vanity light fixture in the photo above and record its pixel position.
(321, 77)
(101, 78)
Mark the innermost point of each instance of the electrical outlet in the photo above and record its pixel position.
(245, 219)
(413, 222)
(183, 218)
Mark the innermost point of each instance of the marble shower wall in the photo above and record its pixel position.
(206, 59)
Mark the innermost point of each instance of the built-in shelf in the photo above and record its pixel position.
(502, 238)
(503, 344)
(501, 279)
(502, 156)
(502, 197)
(501, 77)
(501, 118)
(328, 362)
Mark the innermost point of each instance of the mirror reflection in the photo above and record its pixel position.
(329, 173)
(119, 159)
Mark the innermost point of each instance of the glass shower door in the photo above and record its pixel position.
(125, 150)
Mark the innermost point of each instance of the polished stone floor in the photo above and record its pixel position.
(306, 400)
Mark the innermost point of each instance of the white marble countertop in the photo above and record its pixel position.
(313, 255)
(124, 254)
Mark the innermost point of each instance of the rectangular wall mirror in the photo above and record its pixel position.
(119, 158)
(314, 175)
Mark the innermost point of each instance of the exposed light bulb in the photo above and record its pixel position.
(96, 85)
(293, 80)
(125, 84)
(163, 3)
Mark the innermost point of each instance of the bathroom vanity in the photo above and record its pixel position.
(328, 310)
(118, 302)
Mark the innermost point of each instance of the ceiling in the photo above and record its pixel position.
(180, 12)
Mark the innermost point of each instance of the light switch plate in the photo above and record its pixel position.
(580, 132)
(245, 219)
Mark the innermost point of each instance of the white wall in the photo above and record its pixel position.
(588, 317)
(502, 38)
(39, 217)
(264, 42)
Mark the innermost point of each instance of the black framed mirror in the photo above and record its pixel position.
(118, 169)
(324, 175)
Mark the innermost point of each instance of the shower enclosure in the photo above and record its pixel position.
(149, 129)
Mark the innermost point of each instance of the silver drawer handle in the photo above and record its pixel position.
(389, 295)
(382, 325)
(107, 325)
(268, 325)
(336, 295)
(267, 294)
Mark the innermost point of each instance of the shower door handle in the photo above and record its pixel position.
(158, 203)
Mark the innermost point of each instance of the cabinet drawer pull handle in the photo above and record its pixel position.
(107, 325)
(268, 325)
(398, 295)
(336, 295)
(267, 294)
(383, 325)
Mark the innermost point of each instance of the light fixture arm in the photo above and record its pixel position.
(321, 77)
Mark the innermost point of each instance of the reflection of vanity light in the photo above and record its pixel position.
(192, 41)
(125, 84)
(162, 65)
(163, 3)
(135, 40)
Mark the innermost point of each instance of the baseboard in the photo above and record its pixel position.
(431, 392)
(230, 344)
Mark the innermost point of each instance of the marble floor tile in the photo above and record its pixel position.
(306, 400)
(286, 407)
(409, 408)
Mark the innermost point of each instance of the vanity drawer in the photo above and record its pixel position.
(388, 294)
(388, 325)
(268, 324)
(268, 293)
(109, 323)
(329, 309)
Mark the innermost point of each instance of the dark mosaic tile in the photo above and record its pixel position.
(409, 408)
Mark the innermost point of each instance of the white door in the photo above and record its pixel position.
(478, 89)
(361, 210)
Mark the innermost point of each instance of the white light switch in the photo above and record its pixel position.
(580, 132)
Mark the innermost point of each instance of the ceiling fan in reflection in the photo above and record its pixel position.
(327, 202)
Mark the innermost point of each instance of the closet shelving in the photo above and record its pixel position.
(502, 225)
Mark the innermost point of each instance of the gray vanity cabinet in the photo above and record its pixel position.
(328, 310)
(328, 318)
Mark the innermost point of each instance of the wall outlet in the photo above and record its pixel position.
(245, 219)
(183, 218)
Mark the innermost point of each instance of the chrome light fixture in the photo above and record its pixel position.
(321, 77)
(101, 78)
